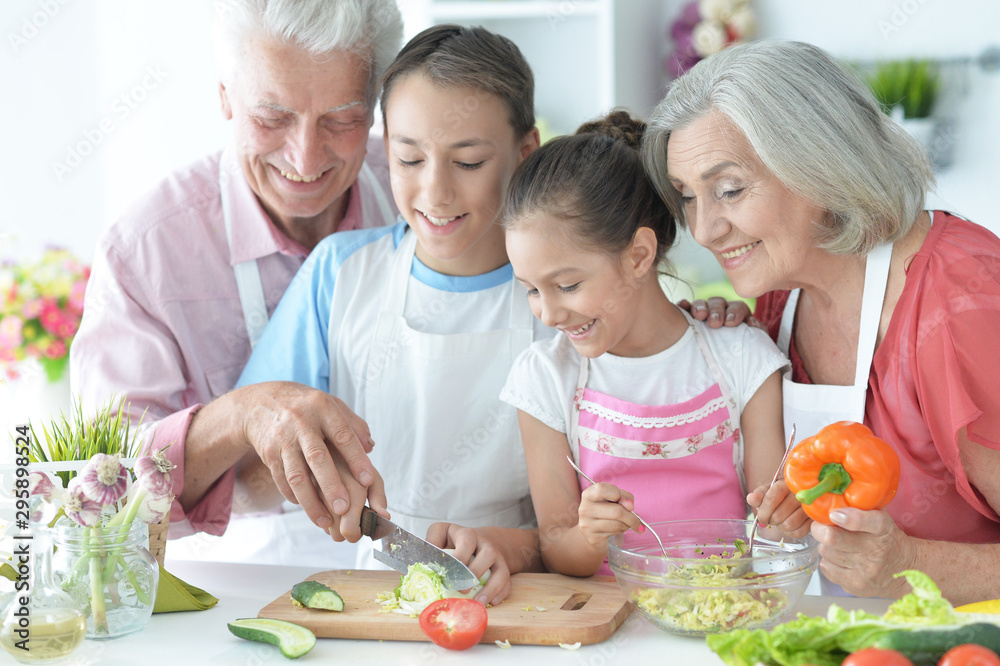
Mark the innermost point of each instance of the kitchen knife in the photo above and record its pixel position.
(400, 549)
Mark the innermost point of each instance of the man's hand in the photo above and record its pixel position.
(717, 312)
(316, 451)
(479, 554)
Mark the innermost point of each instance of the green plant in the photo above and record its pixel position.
(79, 438)
(911, 84)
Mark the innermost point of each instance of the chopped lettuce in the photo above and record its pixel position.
(419, 587)
(827, 641)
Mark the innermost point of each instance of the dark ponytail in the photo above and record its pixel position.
(594, 178)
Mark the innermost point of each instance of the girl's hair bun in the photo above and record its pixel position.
(619, 125)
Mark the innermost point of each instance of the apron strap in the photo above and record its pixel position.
(398, 279)
(787, 321)
(385, 210)
(727, 395)
(876, 278)
(248, 282)
(574, 423)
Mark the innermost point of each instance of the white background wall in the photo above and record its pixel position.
(131, 84)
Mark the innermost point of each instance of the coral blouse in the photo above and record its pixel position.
(936, 371)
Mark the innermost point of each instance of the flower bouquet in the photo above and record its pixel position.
(41, 305)
(706, 27)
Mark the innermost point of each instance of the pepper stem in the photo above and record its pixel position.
(833, 478)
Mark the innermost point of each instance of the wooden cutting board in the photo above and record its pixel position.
(584, 610)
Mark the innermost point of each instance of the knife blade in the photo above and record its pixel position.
(400, 549)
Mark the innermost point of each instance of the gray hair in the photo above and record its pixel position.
(371, 29)
(815, 126)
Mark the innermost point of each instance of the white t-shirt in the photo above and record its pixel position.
(543, 381)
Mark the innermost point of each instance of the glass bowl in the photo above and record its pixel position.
(700, 588)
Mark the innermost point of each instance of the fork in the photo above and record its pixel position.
(644, 523)
(753, 527)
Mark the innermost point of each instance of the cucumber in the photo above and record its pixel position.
(293, 640)
(926, 646)
(313, 594)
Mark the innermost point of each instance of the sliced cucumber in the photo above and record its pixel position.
(313, 594)
(926, 646)
(293, 640)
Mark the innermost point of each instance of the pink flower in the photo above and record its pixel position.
(604, 444)
(652, 449)
(32, 308)
(76, 295)
(736, 436)
(722, 432)
(57, 322)
(10, 332)
(104, 479)
(81, 509)
(55, 350)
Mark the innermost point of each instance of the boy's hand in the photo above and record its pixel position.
(479, 554)
(606, 510)
(779, 508)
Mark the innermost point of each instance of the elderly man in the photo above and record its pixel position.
(183, 285)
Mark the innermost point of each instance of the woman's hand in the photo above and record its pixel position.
(777, 507)
(479, 554)
(717, 312)
(606, 510)
(862, 551)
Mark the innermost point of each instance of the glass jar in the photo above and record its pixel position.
(41, 623)
(110, 573)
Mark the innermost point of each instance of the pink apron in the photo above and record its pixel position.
(682, 461)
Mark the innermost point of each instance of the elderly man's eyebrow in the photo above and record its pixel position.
(285, 109)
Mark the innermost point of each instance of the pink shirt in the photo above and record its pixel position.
(934, 373)
(162, 321)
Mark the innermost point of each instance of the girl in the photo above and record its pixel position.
(644, 398)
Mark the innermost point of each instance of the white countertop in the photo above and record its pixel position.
(197, 638)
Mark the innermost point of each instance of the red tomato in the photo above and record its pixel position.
(970, 654)
(876, 657)
(456, 624)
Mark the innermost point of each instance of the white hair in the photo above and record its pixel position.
(371, 29)
(815, 126)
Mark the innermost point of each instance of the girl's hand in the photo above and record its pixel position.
(479, 554)
(606, 510)
(777, 507)
(862, 551)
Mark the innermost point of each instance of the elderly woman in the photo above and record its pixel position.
(811, 199)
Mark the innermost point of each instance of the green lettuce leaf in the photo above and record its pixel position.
(826, 641)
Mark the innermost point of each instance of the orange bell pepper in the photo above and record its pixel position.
(843, 465)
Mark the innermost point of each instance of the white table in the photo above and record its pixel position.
(201, 638)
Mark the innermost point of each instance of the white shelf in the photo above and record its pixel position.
(588, 56)
(458, 10)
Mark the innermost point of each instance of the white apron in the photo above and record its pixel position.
(812, 406)
(286, 536)
(447, 448)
